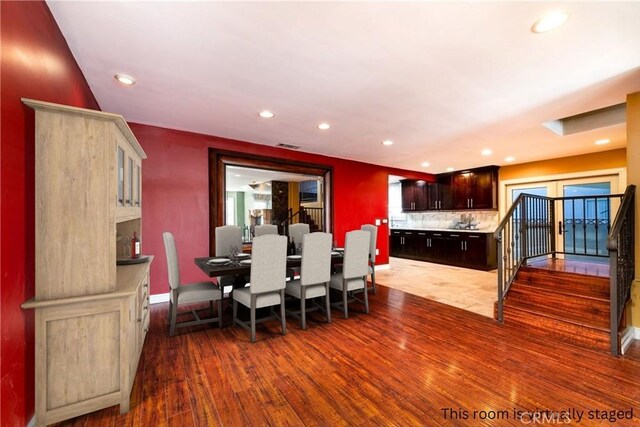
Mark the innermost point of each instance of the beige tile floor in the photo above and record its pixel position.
(471, 290)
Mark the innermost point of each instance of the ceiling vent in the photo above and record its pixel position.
(596, 119)
(289, 146)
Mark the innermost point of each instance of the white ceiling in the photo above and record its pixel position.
(442, 79)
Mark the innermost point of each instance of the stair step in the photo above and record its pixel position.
(546, 325)
(582, 309)
(565, 282)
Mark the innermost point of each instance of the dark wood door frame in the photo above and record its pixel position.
(219, 159)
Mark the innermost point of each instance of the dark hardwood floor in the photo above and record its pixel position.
(410, 362)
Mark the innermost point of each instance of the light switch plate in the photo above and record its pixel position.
(377, 221)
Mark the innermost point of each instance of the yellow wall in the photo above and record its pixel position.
(586, 162)
(294, 199)
(633, 177)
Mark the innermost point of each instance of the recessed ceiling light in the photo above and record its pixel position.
(266, 114)
(387, 142)
(426, 164)
(509, 159)
(550, 21)
(602, 141)
(449, 169)
(125, 79)
(324, 126)
(486, 152)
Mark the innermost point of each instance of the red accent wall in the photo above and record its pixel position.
(36, 63)
(175, 190)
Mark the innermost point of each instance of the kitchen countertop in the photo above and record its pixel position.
(450, 230)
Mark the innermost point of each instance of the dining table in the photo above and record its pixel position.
(240, 265)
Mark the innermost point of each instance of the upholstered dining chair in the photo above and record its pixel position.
(373, 230)
(297, 231)
(228, 242)
(263, 229)
(355, 268)
(187, 293)
(267, 283)
(315, 274)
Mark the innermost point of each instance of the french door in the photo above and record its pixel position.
(582, 224)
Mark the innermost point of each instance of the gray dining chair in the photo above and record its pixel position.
(188, 293)
(267, 282)
(315, 274)
(355, 268)
(261, 230)
(297, 231)
(228, 242)
(373, 230)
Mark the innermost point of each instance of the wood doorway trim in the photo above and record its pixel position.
(219, 159)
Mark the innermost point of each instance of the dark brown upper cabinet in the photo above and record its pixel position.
(439, 194)
(414, 195)
(475, 188)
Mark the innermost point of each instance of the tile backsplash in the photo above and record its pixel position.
(483, 220)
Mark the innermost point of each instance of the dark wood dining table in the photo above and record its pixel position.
(235, 267)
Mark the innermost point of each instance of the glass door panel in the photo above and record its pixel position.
(586, 222)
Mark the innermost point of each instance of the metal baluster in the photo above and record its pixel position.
(596, 224)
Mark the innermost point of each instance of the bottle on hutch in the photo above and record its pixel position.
(135, 246)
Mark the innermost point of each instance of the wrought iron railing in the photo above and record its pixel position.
(526, 231)
(311, 216)
(621, 246)
(531, 224)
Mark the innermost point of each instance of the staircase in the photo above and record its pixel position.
(541, 292)
(307, 218)
(563, 306)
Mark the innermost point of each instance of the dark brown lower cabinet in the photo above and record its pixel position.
(473, 250)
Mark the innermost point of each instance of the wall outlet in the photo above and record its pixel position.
(384, 220)
(377, 251)
(377, 222)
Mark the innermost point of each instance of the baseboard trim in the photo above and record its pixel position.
(159, 298)
(32, 422)
(629, 335)
(383, 267)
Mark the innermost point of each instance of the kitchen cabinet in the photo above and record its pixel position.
(405, 244)
(465, 249)
(476, 188)
(414, 195)
(439, 195)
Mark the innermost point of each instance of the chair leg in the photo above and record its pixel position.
(220, 313)
(174, 316)
(253, 318)
(366, 296)
(211, 306)
(303, 308)
(344, 300)
(282, 313)
(373, 278)
(170, 307)
(328, 299)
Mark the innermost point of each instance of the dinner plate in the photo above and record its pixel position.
(339, 249)
(243, 255)
(219, 261)
(245, 261)
(294, 256)
(336, 253)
